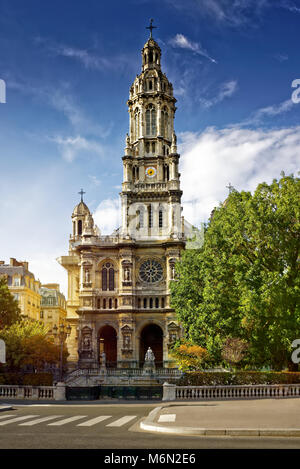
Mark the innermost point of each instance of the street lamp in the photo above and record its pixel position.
(62, 333)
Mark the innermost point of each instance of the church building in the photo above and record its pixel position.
(118, 285)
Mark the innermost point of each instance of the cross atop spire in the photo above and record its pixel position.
(151, 26)
(81, 193)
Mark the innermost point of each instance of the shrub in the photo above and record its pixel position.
(195, 378)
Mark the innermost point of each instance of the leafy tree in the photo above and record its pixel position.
(233, 350)
(244, 281)
(189, 356)
(28, 343)
(9, 309)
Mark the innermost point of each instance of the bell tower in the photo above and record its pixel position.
(151, 194)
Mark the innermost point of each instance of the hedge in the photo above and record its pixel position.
(27, 379)
(196, 378)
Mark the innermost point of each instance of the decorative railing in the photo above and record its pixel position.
(123, 372)
(27, 392)
(173, 392)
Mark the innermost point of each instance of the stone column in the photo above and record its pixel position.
(60, 392)
(169, 392)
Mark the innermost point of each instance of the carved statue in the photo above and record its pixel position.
(149, 357)
(86, 342)
(103, 358)
(87, 276)
(88, 222)
(127, 141)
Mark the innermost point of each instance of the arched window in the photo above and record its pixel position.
(160, 218)
(104, 303)
(137, 124)
(79, 226)
(111, 279)
(145, 302)
(116, 303)
(153, 147)
(162, 302)
(164, 122)
(151, 120)
(98, 303)
(156, 303)
(150, 57)
(139, 303)
(110, 303)
(150, 217)
(104, 279)
(166, 173)
(108, 277)
(141, 216)
(151, 303)
(150, 84)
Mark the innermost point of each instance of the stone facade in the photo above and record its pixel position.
(118, 285)
(23, 285)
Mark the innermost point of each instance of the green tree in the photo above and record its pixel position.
(244, 281)
(9, 309)
(28, 343)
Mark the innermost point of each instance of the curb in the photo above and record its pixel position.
(150, 425)
(5, 407)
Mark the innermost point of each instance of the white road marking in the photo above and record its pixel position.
(35, 422)
(167, 418)
(91, 422)
(6, 415)
(68, 420)
(17, 419)
(121, 421)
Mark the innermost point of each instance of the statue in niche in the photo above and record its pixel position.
(127, 274)
(103, 359)
(126, 341)
(149, 357)
(87, 276)
(86, 342)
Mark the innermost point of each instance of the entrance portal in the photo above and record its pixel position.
(152, 336)
(107, 341)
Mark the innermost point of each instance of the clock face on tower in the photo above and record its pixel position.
(150, 171)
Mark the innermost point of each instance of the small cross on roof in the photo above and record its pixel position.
(151, 27)
(81, 193)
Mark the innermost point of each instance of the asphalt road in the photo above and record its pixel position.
(108, 426)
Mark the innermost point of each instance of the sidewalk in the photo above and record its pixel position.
(263, 417)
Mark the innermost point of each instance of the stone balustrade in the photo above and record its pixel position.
(173, 392)
(33, 392)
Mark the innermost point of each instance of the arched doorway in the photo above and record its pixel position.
(152, 336)
(107, 340)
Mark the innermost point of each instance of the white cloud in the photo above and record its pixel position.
(107, 215)
(243, 157)
(184, 43)
(71, 147)
(269, 111)
(94, 180)
(226, 90)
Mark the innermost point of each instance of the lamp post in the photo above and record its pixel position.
(61, 333)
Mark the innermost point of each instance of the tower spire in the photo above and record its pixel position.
(81, 193)
(151, 27)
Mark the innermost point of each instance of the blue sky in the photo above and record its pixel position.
(68, 66)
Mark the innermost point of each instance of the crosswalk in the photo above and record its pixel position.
(60, 420)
